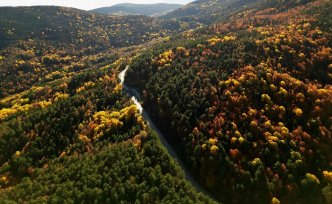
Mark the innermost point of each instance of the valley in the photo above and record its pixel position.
(214, 102)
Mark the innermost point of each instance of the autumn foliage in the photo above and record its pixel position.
(251, 100)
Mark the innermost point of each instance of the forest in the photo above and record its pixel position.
(251, 103)
(80, 139)
(241, 90)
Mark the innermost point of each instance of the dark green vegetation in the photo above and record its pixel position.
(114, 174)
(249, 100)
(138, 9)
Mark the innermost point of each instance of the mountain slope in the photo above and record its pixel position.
(138, 9)
(204, 12)
(73, 27)
(248, 102)
(38, 42)
(208, 11)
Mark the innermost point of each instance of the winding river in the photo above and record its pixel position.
(135, 97)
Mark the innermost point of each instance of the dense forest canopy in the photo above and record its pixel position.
(78, 138)
(242, 90)
(203, 12)
(250, 100)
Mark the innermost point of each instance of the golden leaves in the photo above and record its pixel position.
(214, 150)
(109, 122)
(275, 201)
(298, 112)
(60, 96)
(165, 57)
(328, 176)
(213, 41)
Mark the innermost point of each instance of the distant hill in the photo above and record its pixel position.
(204, 12)
(138, 9)
(71, 26)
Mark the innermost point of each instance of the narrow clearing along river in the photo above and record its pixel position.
(135, 97)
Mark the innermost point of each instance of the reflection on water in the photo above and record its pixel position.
(138, 105)
(133, 98)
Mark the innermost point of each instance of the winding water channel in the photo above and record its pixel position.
(135, 97)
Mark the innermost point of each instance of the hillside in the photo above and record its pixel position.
(248, 102)
(80, 139)
(138, 9)
(77, 28)
(42, 43)
(202, 12)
